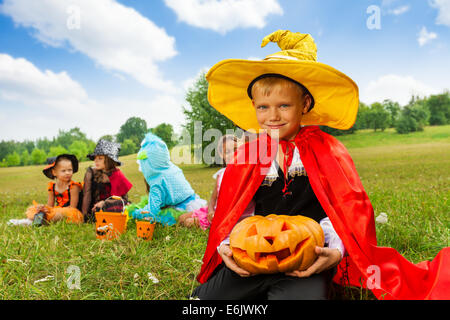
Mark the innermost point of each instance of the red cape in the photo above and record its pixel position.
(119, 183)
(336, 183)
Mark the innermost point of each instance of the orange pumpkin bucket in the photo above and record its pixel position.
(144, 229)
(110, 225)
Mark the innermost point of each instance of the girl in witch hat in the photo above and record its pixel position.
(63, 194)
(301, 170)
(104, 180)
(63, 191)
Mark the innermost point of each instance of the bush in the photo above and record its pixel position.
(439, 108)
(128, 147)
(413, 118)
(79, 149)
(38, 156)
(56, 151)
(406, 124)
(13, 160)
(25, 158)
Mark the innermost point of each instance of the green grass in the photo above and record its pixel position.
(404, 176)
(369, 138)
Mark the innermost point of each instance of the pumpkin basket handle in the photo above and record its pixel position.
(118, 198)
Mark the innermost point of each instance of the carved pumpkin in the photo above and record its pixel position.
(275, 243)
(144, 229)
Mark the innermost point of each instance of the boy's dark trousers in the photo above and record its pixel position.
(225, 284)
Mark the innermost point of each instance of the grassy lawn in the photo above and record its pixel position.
(406, 176)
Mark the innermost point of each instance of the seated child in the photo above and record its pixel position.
(63, 192)
(104, 180)
(294, 168)
(226, 147)
(167, 184)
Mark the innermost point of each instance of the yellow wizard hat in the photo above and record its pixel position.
(335, 95)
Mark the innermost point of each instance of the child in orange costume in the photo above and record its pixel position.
(63, 192)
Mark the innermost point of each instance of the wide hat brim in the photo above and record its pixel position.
(92, 156)
(336, 95)
(48, 169)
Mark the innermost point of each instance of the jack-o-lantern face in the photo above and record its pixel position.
(275, 243)
(144, 230)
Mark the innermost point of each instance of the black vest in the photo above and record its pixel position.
(298, 200)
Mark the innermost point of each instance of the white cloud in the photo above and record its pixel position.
(395, 87)
(444, 11)
(36, 103)
(424, 36)
(224, 15)
(399, 11)
(21, 81)
(116, 37)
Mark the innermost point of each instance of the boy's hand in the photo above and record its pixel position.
(327, 259)
(227, 257)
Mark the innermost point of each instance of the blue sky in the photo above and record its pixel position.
(93, 64)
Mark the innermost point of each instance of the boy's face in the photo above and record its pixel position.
(63, 171)
(280, 113)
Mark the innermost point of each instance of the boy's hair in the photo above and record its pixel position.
(266, 84)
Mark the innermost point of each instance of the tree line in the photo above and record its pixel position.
(419, 112)
(74, 141)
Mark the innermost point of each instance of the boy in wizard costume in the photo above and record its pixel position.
(324, 181)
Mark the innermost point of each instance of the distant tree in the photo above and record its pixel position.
(25, 158)
(108, 137)
(134, 128)
(79, 149)
(13, 160)
(379, 118)
(6, 147)
(165, 132)
(38, 156)
(44, 144)
(394, 111)
(91, 146)
(29, 145)
(128, 147)
(66, 138)
(439, 108)
(413, 118)
(362, 119)
(56, 151)
(201, 112)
